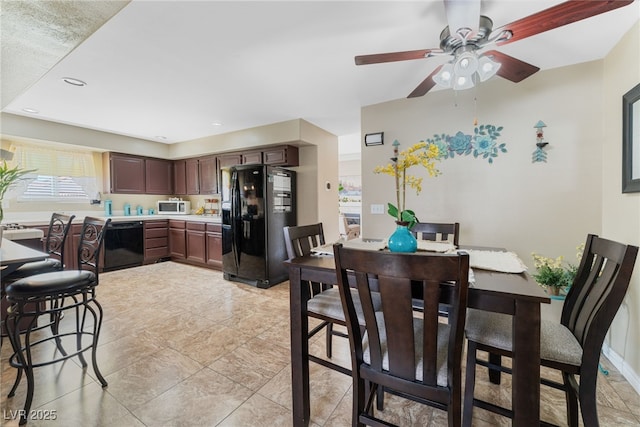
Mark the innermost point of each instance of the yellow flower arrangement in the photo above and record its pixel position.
(423, 154)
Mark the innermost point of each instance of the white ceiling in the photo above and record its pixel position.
(172, 68)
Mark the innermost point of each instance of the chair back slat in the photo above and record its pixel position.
(437, 231)
(299, 240)
(57, 235)
(395, 275)
(601, 283)
(90, 247)
(398, 325)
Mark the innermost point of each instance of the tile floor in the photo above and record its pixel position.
(180, 346)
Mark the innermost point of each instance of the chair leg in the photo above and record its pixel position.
(329, 344)
(55, 318)
(494, 374)
(25, 362)
(571, 399)
(360, 394)
(97, 325)
(588, 404)
(470, 384)
(380, 398)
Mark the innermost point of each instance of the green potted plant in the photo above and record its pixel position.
(552, 275)
(8, 177)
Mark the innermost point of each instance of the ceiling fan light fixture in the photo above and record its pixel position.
(444, 77)
(465, 64)
(487, 68)
(463, 82)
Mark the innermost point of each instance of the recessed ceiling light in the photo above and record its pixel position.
(161, 137)
(73, 81)
(30, 110)
(216, 124)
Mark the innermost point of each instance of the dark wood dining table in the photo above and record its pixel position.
(515, 294)
(13, 255)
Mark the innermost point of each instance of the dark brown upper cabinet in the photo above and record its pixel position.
(158, 176)
(129, 174)
(192, 176)
(229, 159)
(286, 155)
(180, 177)
(252, 158)
(208, 174)
(125, 174)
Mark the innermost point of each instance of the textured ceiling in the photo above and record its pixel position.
(38, 34)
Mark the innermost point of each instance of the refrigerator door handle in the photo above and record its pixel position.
(235, 200)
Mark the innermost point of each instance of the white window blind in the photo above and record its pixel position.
(60, 175)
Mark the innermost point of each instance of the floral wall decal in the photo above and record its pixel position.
(482, 144)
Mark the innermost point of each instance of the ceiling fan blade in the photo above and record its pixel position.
(512, 69)
(557, 16)
(426, 85)
(378, 58)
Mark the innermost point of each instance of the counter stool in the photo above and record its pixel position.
(59, 227)
(53, 294)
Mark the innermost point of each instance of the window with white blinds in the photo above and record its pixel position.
(59, 175)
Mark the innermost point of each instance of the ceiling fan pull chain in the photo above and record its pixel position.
(475, 107)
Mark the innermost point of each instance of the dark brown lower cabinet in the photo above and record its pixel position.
(196, 242)
(177, 239)
(214, 245)
(156, 240)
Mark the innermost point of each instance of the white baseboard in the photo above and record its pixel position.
(621, 365)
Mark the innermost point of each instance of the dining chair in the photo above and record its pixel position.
(324, 303)
(572, 346)
(414, 356)
(437, 231)
(351, 230)
(54, 294)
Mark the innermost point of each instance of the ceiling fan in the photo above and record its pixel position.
(474, 32)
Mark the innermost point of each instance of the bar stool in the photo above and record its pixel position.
(59, 227)
(53, 294)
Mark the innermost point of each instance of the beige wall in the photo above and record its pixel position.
(544, 207)
(547, 208)
(621, 212)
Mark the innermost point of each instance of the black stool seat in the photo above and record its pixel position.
(36, 267)
(51, 284)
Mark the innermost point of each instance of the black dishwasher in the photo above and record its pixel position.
(123, 245)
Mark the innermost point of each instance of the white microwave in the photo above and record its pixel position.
(173, 207)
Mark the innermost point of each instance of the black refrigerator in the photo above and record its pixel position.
(257, 202)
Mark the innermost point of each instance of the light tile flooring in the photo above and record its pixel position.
(180, 346)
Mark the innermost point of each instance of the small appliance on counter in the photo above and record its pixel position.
(108, 207)
(173, 207)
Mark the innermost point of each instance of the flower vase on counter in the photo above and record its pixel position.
(402, 240)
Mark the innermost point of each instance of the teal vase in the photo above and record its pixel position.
(402, 240)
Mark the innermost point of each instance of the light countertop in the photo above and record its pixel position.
(43, 218)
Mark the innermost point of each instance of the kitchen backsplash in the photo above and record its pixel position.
(15, 211)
